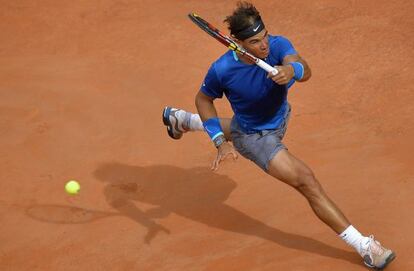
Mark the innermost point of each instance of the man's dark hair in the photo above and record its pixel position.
(243, 16)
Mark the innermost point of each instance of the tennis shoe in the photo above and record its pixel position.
(375, 255)
(173, 118)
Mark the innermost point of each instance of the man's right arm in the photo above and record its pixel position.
(207, 110)
(205, 106)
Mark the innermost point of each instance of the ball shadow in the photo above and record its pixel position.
(62, 214)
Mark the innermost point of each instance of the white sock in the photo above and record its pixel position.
(193, 122)
(354, 238)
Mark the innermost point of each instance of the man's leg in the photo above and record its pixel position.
(290, 170)
(284, 166)
(179, 122)
(287, 168)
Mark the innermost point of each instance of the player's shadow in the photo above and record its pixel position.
(197, 194)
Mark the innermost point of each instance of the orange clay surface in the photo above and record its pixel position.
(82, 88)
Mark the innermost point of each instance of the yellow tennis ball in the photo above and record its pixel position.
(72, 187)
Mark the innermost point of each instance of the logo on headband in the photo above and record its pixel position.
(250, 31)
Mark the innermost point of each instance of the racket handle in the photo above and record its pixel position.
(266, 67)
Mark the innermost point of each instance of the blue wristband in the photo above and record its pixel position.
(299, 70)
(213, 128)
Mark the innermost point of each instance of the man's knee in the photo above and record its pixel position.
(307, 183)
(295, 173)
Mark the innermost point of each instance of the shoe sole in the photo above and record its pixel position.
(165, 113)
(166, 120)
(387, 261)
(390, 258)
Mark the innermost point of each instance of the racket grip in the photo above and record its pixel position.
(266, 67)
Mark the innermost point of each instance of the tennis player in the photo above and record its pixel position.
(261, 114)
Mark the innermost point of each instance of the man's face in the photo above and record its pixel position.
(258, 45)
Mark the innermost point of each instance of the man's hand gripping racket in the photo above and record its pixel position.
(228, 42)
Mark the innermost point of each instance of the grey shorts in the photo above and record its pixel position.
(262, 146)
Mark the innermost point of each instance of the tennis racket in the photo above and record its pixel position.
(228, 42)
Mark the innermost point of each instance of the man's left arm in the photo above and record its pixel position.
(289, 59)
(293, 67)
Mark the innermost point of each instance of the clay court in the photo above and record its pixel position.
(82, 88)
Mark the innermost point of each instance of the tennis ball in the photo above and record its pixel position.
(72, 187)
